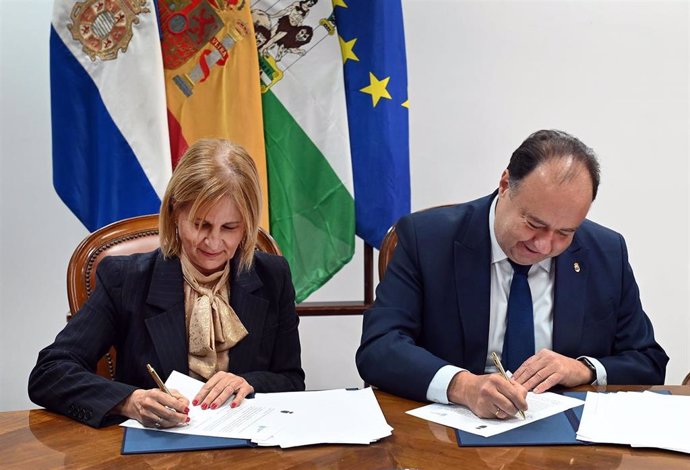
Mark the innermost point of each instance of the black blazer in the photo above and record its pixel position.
(138, 306)
(432, 307)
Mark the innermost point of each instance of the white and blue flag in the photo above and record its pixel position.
(111, 152)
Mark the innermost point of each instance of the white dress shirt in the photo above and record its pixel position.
(541, 279)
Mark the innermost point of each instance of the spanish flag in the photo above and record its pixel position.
(211, 77)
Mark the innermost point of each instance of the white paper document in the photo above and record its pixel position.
(460, 417)
(638, 419)
(247, 421)
(286, 419)
(327, 417)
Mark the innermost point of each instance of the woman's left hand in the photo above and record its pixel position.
(220, 387)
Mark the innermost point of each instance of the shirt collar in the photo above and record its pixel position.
(497, 254)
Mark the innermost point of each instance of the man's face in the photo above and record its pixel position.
(538, 219)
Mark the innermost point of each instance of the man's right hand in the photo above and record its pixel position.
(487, 396)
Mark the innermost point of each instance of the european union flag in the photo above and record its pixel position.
(372, 41)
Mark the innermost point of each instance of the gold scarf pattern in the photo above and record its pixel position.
(212, 325)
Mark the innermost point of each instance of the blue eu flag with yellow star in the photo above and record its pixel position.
(372, 42)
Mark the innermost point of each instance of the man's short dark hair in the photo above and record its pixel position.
(546, 145)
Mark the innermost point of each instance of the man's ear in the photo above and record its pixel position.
(504, 183)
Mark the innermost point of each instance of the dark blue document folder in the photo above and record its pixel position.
(559, 429)
(144, 441)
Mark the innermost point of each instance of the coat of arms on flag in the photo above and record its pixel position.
(283, 37)
(104, 27)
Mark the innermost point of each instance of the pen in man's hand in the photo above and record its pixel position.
(502, 371)
(157, 379)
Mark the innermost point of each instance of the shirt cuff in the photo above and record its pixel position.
(601, 378)
(438, 387)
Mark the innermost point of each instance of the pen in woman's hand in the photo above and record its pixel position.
(164, 388)
(157, 379)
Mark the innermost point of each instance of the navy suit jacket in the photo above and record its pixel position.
(432, 307)
(138, 306)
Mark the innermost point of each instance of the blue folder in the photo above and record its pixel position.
(144, 441)
(559, 429)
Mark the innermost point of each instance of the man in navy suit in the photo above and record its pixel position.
(441, 309)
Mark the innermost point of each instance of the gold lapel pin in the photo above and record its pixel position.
(576, 267)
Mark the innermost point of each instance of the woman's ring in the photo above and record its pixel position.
(158, 423)
(498, 410)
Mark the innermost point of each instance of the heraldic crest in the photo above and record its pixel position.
(104, 27)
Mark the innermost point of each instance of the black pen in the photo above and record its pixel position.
(502, 371)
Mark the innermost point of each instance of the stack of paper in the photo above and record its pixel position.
(326, 417)
(285, 419)
(639, 419)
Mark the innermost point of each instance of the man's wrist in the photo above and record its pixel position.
(592, 369)
(438, 388)
(457, 388)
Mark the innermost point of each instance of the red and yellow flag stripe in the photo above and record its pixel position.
(212, 77)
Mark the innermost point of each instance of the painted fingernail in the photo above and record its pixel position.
(204, 406)
(233, 404)
(214, 406)
(195, 402)
(186, 410)
(187, 420)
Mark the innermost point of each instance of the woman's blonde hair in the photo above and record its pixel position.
(210, 170)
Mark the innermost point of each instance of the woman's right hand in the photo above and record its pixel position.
(155, 408)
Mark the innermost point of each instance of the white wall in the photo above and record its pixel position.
(483, 75)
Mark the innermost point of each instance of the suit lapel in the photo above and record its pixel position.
(165, 320)
(472, 265)
(572, 271)
(251, 310)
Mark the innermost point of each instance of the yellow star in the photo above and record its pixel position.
(377, 89)
(406, 104)
(339, 3)
(346, 49)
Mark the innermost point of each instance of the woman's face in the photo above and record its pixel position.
(211, 239)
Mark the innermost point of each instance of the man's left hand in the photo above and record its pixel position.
(547, 368)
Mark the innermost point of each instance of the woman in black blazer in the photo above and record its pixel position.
(205, 304)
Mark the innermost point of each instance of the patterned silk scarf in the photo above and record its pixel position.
(212, 325)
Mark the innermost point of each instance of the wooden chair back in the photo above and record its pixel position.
(390, 241)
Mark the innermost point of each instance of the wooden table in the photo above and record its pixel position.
(41, 439)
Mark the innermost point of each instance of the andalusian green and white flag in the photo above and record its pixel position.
(306, 133)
